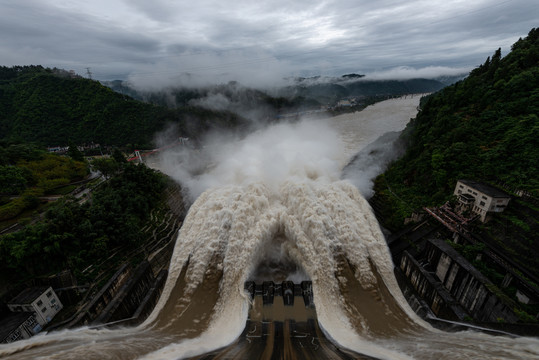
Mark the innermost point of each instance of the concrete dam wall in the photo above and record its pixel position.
(452, 287)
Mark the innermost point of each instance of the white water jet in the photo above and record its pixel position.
(281, 182)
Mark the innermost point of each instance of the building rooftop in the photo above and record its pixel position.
(12, 322)
(28, 295)
(486, 189)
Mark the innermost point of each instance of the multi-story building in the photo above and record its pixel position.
(42, 301)
(480, 198)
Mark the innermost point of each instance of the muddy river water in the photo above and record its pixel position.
(272, 206)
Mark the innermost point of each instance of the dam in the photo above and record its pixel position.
(281, 324)
(272, 208)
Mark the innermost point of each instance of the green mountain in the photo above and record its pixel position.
(330, 90)
(485, 127)
(256, 105)
(301, 94)
(54, 107)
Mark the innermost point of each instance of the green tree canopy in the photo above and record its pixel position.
(74, 152)
(485, 127)
(75, 235)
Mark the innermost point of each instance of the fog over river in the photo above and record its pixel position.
(279, 196)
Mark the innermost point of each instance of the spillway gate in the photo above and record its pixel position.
(288, 290)
(282, 329)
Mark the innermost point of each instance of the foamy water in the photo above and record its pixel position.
(278, 189)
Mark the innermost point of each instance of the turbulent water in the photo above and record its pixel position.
(275, 197)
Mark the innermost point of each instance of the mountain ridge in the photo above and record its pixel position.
(54, 107)
(485, 127)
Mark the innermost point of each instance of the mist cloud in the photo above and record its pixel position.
(215, 102)
(372, 161)
(404, 72)
(322, 149)
(304, 151)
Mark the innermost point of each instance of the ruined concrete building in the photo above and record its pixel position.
(480, 198)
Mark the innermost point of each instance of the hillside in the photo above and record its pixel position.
(301, 94)
(54, 107)
(74, 234)
(329, 91)
(485, 127)
(28, 175)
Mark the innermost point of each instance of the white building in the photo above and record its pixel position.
(345, 102)
(42, 301)
(481, 198)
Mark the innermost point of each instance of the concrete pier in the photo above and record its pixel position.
(282, 325)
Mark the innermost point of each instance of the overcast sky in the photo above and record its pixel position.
(159, 41)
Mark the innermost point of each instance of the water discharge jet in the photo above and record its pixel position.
(275, 263)
(275, 196)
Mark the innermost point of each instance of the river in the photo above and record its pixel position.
(277, 196)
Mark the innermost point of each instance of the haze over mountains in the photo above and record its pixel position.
(54, 106)
(158, 156)
(304, 92)
(277, 194)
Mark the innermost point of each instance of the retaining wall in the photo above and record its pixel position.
(103, 297)
(454, 281)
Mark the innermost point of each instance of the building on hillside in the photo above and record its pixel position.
(18, 326)
(41, 300)
(57, 149)
(480, 198)
(344, 102)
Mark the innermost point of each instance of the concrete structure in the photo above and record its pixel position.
(480, 198)
(136, 298)
(525, 298)
(282, 326)
(42, 301)
(18, 326)
(107, 293)
(127, 299)
(431, 290)
(451, 285)
(345, 102)
(268, 290)
(57, 149)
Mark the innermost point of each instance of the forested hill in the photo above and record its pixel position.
(485, 127)
(54, 107)
(300, 94)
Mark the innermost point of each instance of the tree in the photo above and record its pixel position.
(484, 127)
(118, 156)
(106, 166)
(74, 152)
(12, 180)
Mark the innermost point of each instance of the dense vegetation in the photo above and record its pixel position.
(302, 94)
(27, 172)
(232, 96)
(485, 128)
(53, 107)
(74, 235)
(328, 93)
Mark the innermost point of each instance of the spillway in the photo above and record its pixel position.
(276, 197)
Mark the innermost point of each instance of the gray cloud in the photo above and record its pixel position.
(161, 41)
